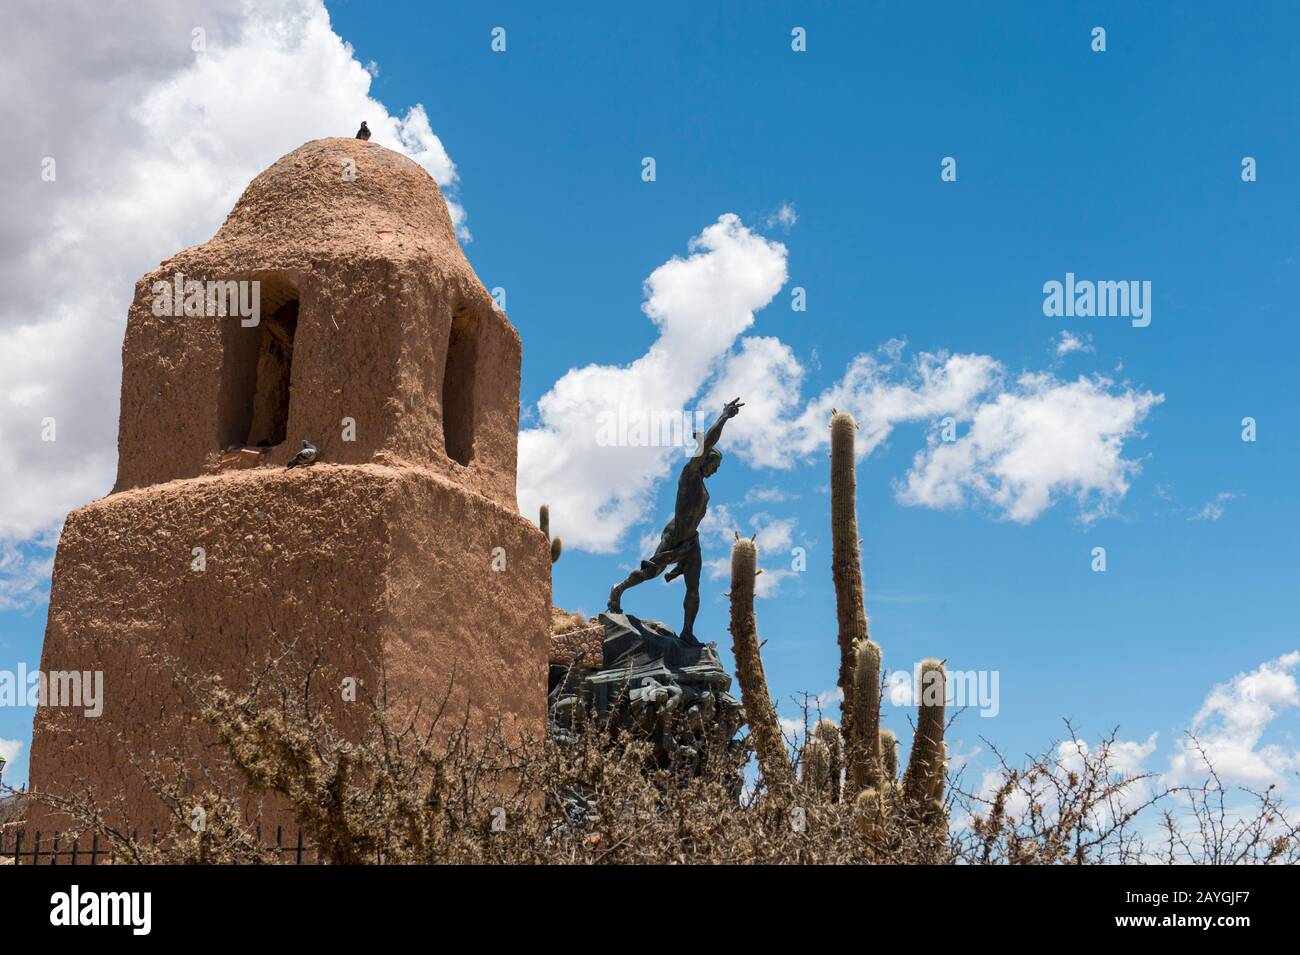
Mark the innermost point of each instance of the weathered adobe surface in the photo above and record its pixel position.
(345, 565)
(379, 276)
(381, 553)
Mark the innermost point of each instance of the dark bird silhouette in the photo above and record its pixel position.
(364, 131)
(304, 457)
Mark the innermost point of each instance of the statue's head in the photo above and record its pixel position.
(712, 461)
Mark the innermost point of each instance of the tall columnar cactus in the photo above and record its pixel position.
(846, 561)
(544, 523)
(773, 761)
(924, 779)
(865, 766)
(829, 734)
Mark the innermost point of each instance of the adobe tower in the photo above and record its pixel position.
(402, 547)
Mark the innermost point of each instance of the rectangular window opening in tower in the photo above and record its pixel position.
(256, 371)
(458, 383)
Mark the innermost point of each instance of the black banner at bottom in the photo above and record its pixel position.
(337, 904)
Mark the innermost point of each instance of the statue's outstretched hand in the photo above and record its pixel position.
(732, 408)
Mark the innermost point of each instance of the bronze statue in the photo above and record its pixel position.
(679, 544)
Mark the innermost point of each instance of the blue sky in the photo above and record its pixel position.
(1118, 165)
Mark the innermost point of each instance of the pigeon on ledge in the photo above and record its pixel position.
(304, 457)
(364, 131)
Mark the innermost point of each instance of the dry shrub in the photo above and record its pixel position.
(1075, 804)
(456, 793)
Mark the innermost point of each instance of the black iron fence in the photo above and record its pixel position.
(20, 847)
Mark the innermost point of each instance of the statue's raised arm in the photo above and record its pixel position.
(729, 411)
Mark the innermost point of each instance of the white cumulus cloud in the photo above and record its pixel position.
(1026, 442)
(1039, 439)
(881, 390)
(701, 304)
(1229, 728)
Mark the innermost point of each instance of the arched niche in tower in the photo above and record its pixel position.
(257, 368)
(459, 384)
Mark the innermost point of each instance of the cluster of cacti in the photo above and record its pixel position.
(918, 799)
(544, 523)
(872, 776)
(864, 753)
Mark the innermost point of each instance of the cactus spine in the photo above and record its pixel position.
(865, 768)
(544, 522)
(846, 564)
(764, 729)
(926, 770)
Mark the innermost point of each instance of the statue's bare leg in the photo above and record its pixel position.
(646, 572)
(691, 571)
(649, 570)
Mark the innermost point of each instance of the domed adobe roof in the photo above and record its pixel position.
(343, 197)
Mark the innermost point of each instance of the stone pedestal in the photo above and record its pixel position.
(648, 680)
